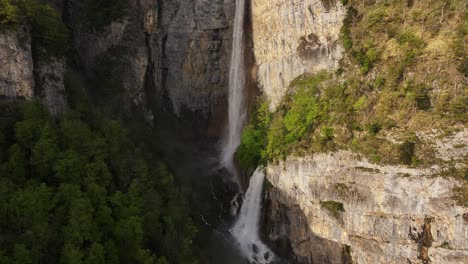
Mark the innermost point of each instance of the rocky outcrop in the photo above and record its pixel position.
(118, 50)
(16, 71)
(385, 214)
(50, 87)
(172, 54)
(195, 39)
(292, 38)
(24, 76)
(292, 238)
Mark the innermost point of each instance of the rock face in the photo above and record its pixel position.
(390, 214)
(292, 38)
(167, 53)
(50, 86)
(195, 38)
(16, 71)
(288, 228)
(23, 77)
(118, 50)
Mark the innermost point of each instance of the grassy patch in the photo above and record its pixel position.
(406, 152)
(460, 194)
(446, 245)
(334, 208)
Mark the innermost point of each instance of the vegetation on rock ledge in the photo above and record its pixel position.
(335, 208)
(43, 20)
(403, 73)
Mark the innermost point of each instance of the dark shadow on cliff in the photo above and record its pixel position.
(193, 156)
(286, 231)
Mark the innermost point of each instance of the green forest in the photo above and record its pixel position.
(79, 190)
(83, 187)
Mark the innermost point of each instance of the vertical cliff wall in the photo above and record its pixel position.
(338, 207)
(291, 38)
(24, 75)
(168, 54)
(171, 55)
(389, 214)
(196, 40)
(16, 71)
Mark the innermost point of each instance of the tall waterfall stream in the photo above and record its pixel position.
(246, 228)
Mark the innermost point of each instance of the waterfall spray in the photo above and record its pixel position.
(246, 229)
(236, 110)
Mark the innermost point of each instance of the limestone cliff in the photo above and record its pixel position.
(50, 86)
(195, 39)
(330, 200)
(171, 54)
(390, 214)
(16, 71)
(292, 38)
(24, 75)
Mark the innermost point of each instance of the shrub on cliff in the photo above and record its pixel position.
(335, 208)
(251, 151)
(47, 28)
(100, 13)
(9, 13)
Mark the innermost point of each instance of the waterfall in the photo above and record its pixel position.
(246, 229)
(236, 90)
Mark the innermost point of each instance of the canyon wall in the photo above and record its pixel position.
(337, 207)
(196, 44)
(291, 38)
(165, 54)
(171, 54)
(390, 214)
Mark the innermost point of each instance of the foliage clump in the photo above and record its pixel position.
(100, 13)
(45, 23)
(407, 152)
(335, 208)
(78, 190)
(251, 151)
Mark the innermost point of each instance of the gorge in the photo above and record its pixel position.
(130, 127)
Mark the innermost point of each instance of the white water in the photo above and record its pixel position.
(246, 229)
(236, 90)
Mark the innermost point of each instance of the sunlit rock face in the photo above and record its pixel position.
(16, 71)
(391, 214)
(23, 77)
(292, 38)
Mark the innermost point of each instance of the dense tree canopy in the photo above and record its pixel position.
(74, 191)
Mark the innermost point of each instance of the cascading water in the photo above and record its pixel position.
(246, 229)
(236, 90)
